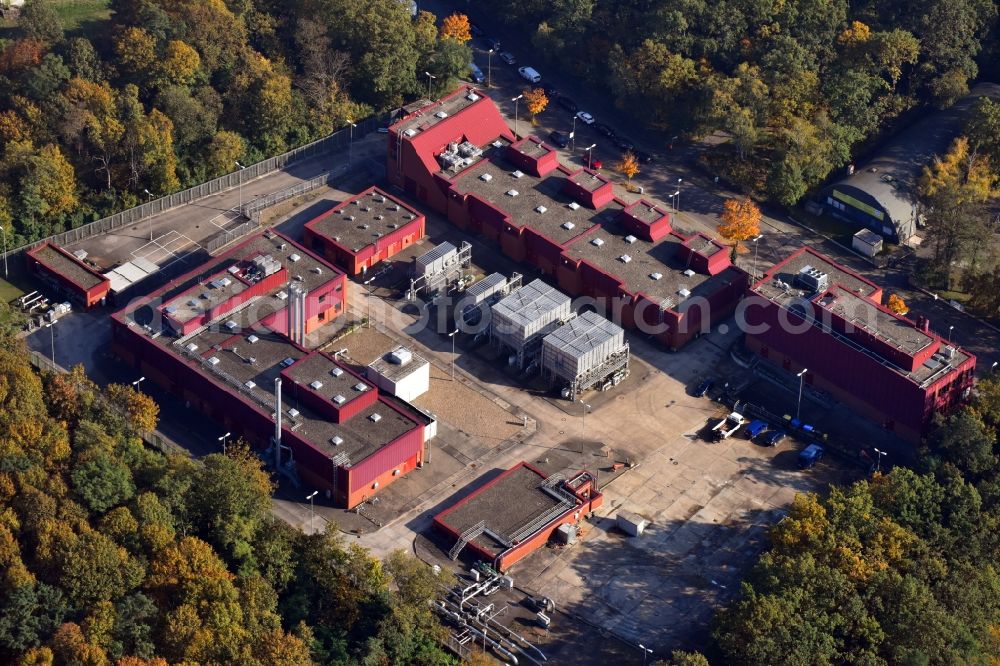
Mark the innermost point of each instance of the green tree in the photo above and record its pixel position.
(983, 131)
(28, 614)
(223, 151)
(102, 482)
(39, 20)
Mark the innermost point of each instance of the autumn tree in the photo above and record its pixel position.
(222, 153)
(178, 65)
(535, 100)
(628, 167)
(897, 304)
(39, 20)
(456, 27)
(740, 221)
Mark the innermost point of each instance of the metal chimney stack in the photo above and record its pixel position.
(297, 314)
(277, 423)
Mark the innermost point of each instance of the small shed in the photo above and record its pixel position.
(867, 242)
(630, 523)
(401, 373)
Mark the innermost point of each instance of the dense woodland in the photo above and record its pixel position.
(169, 93)
(112, 553)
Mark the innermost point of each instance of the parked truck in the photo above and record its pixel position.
(727, 426)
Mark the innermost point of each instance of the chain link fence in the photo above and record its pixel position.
(338, 140)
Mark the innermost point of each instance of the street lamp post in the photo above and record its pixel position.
(52, 340)
(678, 206)
(241, 185)
(878, 460)
(583, 422)
(993, 367)
(430, 77)
(3, 232)
(673, 199)
(950, 329)
(350, 143)
(798, 408)
(645, 653)
(368, 286)
(223, 439)
(516, 100)
(452, 336)
(590, 155)
(312, 513)
(489, 68)
(759, 236)
(138, 383)
(572, 136)
(150, 218)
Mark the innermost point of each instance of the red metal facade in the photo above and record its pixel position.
(651, 231)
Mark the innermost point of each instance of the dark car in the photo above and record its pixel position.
(492, 43)
(644, 157)
(810, 455)
(568, 104)
(773, 438)
(561, 139)
(702, 389)
(475, 30)
(624, 144)
(550, 90)
(508, 58)
(604, 129)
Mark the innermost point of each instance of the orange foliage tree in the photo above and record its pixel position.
(629, 166)
(897, 304)
(456, 27)
(740, 221)
(536, 101)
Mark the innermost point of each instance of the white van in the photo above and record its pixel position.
(530, 74)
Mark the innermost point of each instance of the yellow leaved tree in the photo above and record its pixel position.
(897, 304)
(628, 167)
(740, 221)
(536, 101)
(456, 27)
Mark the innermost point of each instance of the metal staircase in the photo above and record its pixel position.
(466, 536)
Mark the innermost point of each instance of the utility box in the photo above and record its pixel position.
(630, 523)
(401, 373)
(867, 242)
(566, 534)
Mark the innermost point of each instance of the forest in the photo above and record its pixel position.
(168, 93)
(114, 553)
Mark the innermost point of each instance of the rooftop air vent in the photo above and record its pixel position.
(336, 372)
(336, 440)
(191, 347)
(316, 385)
(410, 132)
(573, 205)
(339, 399)
(472, 97)
(349, 218)
(512, 193)
(597, 242)
(625, 258)
(813, 279)
(486, 177)
(214, 360)
(683, 293)
(282, 295)
(688, 273)
(233, 270)
(380, 217)
(250, 384)
(656, 276)
(231, 325)
(518, 174)
(293, 412)
(287, 362)
(441, 114)
(540, 209)
(252, 339)
(568, 226)
(360, 387)
(630, 239)
(293, 257)
(401, 356)
(376, 417)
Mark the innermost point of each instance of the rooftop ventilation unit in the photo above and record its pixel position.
(497, 144)
(410, 132)
(170, 309)
(472, 97)
(597, 242)
(214, 360)
(401, 356)
(486, 177)
(512, 193)
(441, 114)
(336, 440)
(282, 295)
(656, 276)
(568, 226)
(625, 258)
(288, 362)
(540, 209)
(683, 292)
(293, 257)
(253, 339)
(339, 399)
(191, 347)
(813, 279)
(360, 387)
(316, 385)
(234, 269)
(689, 273)
(376, 417)
(293, 412)
(336, 372)
(518, 174)
(231, 325)
(250, 384)
(630, 239)
(573, 205)
(380, 217)
(349, 218)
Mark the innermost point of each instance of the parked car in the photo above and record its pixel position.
(568, 104)
(492, 43)
(585, 117)
(702, 389)
(810, 455)
(508, 58)
(624, 144)
(530, 74)
(550, 90)
(476, 74)
(643, 156)
(773, 438)
(596, 162)
(561, 139)
(756, 427)
(604, 129)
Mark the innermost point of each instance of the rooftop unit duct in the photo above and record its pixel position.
(441, 114)
(656, 276)
(630, 239)
(339, 399)
(689, 273)
(401, 356)
(597, 242)
(316, 385)
(512, 193)
(518, 174)
(376, 417)
(625, 258)
(540, 209)
(812, 278)
(336, 372)
(568, 226)
(486, 177)
(336, 440)
(683, 292)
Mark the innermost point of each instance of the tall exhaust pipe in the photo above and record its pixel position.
(277, 423)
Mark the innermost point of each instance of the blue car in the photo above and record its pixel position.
(476, 73)
(755, 428)
(810, 455)
(773, 438)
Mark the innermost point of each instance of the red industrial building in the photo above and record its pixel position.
(517, 513)
(808, 312)
(458, 156)
(364, 230)
(68, 275)
(220, 336)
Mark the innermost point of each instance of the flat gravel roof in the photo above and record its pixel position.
(70, 268)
